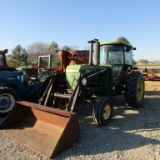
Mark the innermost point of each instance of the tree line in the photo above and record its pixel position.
(146, 61)
(21, 56)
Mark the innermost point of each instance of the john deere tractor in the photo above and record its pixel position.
(110, 72)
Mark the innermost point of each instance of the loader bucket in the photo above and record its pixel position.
(46, 130)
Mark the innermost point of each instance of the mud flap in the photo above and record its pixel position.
(46, 130)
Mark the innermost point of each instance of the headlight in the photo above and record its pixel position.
(84, 81)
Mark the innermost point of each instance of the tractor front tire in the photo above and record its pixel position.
(7, 99)
(102, 111)
(134, 89)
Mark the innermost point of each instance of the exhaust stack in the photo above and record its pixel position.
(94, 52)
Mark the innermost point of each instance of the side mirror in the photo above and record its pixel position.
(128, 49)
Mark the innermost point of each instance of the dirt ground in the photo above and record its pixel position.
(133, 134)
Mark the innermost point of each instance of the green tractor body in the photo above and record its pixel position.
(110, 72)
(73, 73)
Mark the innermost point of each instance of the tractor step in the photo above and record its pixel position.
(66, 96)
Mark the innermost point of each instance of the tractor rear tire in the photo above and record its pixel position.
(102, 111)
(134, 89)
(7, 99)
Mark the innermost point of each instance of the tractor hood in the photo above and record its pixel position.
(10, 77)
(73, 73)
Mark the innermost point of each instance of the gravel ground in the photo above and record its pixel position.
(132, 134)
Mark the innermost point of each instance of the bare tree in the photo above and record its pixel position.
(143, 61)
(35, 50)
(52, 50)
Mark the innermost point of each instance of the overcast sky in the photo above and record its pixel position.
(74, 22)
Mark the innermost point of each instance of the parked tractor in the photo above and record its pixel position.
(110, 72)
(19, 85)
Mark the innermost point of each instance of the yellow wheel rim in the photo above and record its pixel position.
(140, 90)
(106, 112)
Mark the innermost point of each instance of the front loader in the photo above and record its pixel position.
(45, 130)
(109, 72)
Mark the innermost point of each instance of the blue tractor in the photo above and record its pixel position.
(17, 85)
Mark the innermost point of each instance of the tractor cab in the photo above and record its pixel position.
(3, 63)
(119, 56)
(110, 53)
(3, 57)
(115, 53)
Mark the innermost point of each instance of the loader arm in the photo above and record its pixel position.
(86, 86)
(54, 85)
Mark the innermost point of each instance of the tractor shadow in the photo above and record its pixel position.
(130, 128)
